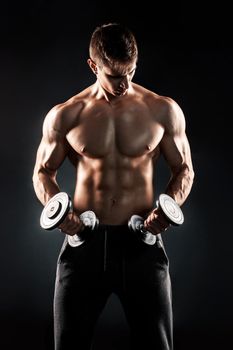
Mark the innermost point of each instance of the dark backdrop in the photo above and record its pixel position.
(185, 52)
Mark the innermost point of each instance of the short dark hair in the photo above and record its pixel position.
(111, 43)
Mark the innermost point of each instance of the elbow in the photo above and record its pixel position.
(187, 172)
(37, 173)
(34, 175)
(41, 173)
(35, 178)
(190, 174)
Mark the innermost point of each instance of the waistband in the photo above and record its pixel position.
(111, 225)
(119, 228)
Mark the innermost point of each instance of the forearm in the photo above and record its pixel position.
(45, 186)
(180, 184)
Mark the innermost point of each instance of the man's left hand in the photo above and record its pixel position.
(156, 222)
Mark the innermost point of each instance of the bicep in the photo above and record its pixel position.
(174, 144)
(176, 151)
(53, 147)
(51, 154)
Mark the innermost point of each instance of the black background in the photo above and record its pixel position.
(185, 52)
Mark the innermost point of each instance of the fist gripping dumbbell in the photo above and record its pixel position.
(55, 211)
(170, 209)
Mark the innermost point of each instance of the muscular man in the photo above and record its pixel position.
(113, 132)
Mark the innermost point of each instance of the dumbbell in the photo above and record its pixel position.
(171, 211)
(55, 211)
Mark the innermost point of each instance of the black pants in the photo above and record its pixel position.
(113, 260)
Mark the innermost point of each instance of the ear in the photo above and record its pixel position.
(92, 65)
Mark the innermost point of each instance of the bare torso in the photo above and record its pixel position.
(113, 147)
(114, 144)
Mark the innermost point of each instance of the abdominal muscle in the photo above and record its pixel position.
(114, 193)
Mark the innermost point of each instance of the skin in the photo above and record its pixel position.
(113, 132)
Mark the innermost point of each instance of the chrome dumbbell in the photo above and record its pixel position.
(55, 211)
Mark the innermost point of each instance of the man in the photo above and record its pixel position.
(113, 132)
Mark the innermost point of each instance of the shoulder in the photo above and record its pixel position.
(160, 103)
(165, 110)
(171, 116)
(169, 109)
(62, 117)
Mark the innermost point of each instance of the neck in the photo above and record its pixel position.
(101, 93)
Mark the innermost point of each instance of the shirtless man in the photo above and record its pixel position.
(113, 132)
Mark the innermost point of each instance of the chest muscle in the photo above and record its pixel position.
(130, 134)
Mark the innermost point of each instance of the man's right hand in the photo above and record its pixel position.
(72, 224)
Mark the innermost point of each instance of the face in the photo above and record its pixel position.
(115, 80)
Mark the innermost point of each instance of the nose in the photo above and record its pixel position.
(125, 83)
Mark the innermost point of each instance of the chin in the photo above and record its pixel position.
(120, 93)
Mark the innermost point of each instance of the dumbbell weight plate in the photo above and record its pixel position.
(171, 209)
(136, 224)
(55, 211)
(75, 240)
(90, 220)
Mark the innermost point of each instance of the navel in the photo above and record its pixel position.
(113, 200)
(148, 147)
(83, 149)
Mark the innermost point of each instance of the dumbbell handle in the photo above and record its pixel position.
(142, 228)
(170, 209)
(89, 219)
(136, 224)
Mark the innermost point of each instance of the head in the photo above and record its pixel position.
(113, 57)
